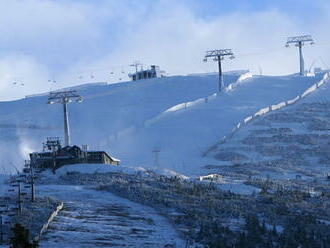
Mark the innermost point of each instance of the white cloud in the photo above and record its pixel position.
(175, 38)
(65, 39)
(20, 76)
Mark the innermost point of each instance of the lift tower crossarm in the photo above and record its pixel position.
(219, 52)
(302, 38)
(219, 55)
(65, 97)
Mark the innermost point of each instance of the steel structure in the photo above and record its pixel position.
(30, 179)
(65, 97)
(219, 55)
(299, 41)
(156, 158)
(136, 64)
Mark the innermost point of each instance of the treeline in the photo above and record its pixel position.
(301, 232)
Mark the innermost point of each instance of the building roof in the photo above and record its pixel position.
(112, 158)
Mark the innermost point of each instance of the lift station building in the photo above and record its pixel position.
(153, 72)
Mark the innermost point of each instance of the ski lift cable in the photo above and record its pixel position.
(40, 109)
(112, 67)
(260, 53)
(23, 78)
(324, 64)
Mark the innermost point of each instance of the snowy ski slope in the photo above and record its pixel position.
(292, 143)
(179, 116)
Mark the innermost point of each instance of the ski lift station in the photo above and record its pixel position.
(55, 156)
(153, 72)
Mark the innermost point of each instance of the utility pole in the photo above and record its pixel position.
(16, 183)
(33, 192)
(65, 97)
(219, 55)
(299, 41)
(156, 161)
(19, 198)
(30, 179)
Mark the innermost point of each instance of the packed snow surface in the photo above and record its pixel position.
(181, 117)
(100, 219)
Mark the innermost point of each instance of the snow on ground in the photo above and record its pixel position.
(291, 143)
(102, 121)
(105, 168)
(97, 219)
(97, 168)
(182, 136)
(117, 117)
(236, 186)
(239, 188)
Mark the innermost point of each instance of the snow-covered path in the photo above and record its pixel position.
(100, 219)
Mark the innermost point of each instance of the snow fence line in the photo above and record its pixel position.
(271, 108)
(50, 219)
(186, 105)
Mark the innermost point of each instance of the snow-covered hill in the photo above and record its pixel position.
(179, 116)
(292, 143)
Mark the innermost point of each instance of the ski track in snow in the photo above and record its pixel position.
(100, 219)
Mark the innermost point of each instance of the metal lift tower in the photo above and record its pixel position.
(65, 97)
(219, 55)
(299, 41)
(136, 64)
(156, 161)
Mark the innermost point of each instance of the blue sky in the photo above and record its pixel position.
(69, 39)
(298, 8)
